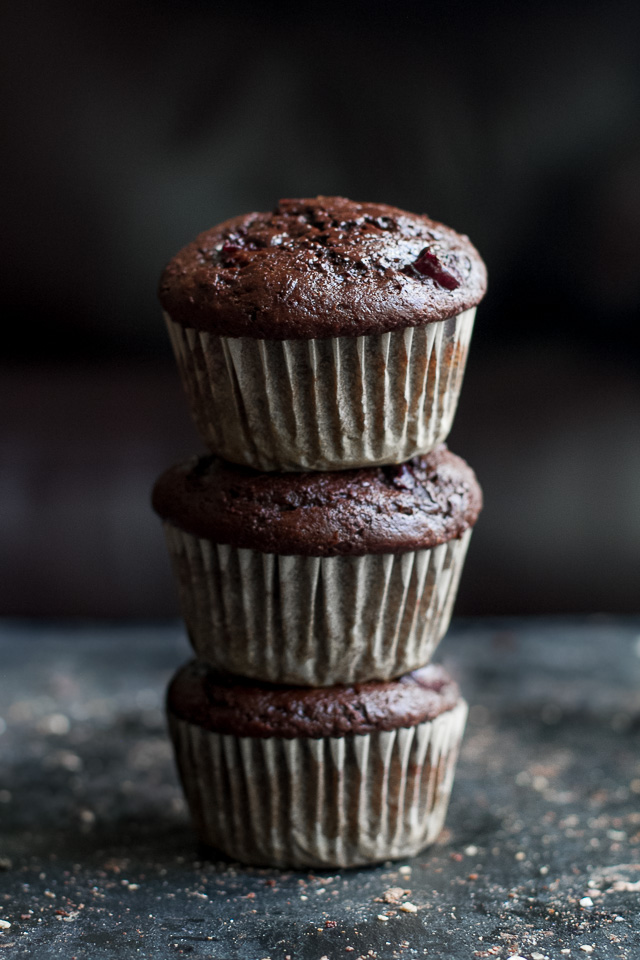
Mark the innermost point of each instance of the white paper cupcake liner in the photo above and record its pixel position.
(325, 404)
(314, 620)
(332, 802)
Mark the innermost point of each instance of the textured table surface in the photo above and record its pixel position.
(540, 858)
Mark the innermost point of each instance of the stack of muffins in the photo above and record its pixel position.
(319, 546)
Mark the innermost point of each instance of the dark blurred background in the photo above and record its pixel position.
(131, 126)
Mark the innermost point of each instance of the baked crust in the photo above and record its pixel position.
(322, 267)
(247, 708)
(390, 509)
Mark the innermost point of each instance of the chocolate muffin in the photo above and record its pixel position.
(323, 335)
(318, 578)
(297, 777)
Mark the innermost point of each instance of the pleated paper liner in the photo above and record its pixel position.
(314, 620)
(325, 404)
(333, 802)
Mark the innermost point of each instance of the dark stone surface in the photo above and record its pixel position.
(97, 858)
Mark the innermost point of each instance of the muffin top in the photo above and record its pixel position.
(390, 509)
(323, 267)
(248, 708)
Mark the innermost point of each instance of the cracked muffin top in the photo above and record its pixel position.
(247, 708)
(322, 267)
(390, 509)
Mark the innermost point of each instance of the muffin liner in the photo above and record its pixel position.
(314, 620)
(331, 802)
(325, 404)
